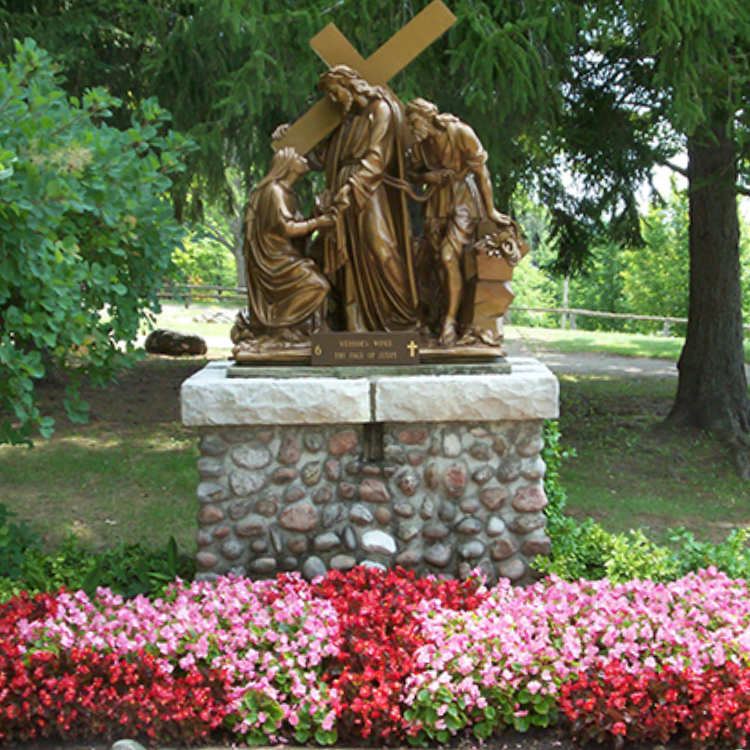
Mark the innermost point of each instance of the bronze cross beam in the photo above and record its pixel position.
(378, 69)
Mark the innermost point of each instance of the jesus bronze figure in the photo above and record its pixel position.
(369, 254)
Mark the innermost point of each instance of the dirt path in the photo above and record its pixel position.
(590, 363)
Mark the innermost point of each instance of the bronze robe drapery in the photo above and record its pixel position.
(371, 250)
(284, 287)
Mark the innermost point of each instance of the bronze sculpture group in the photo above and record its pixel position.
(370, 272)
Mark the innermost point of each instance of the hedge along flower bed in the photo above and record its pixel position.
(381, 656)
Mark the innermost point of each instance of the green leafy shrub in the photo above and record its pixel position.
(126, 569)
(579, 550)
(587, 550)
(634, 556)
(86, 232)
(16, 539)
(554, 454)
(731, 556)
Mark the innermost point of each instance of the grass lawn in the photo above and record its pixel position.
(130, 473)
(192, 318)
(631, 471)
(625, 344)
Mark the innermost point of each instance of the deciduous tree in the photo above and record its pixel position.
(86, 235)
(655, 275)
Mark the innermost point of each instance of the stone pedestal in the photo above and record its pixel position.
(301, 470)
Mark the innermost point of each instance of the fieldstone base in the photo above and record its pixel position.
(440, 497)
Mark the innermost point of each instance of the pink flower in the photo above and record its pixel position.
(534, 687)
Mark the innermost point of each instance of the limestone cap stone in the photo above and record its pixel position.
(211, 398)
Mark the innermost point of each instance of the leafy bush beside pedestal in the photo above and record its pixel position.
(87, 235)
(586, 550)
(16, 539)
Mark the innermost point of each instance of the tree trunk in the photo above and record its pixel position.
(712, 387)
(239, 262)
(236, 224)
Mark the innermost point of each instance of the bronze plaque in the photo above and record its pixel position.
(365, 349)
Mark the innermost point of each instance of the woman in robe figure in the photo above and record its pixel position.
(286, 290)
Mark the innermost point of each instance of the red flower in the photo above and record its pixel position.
(379, 636)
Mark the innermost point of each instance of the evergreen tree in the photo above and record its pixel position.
(699, 68)
(600, 287)
(230, 71)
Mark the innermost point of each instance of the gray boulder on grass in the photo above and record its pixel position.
(174, 343)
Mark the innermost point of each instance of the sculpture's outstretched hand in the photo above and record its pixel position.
(500, 219)
(324, 222)
(436, 176)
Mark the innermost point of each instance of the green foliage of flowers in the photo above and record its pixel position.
(86, 235)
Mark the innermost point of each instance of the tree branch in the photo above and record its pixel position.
(218, 236)
(226, 233)
(676, 168)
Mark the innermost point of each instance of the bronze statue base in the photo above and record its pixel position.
(458, 354)
(297, 355)
(302, 355)
(281, 372)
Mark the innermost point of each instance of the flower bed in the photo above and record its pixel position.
(383, 657)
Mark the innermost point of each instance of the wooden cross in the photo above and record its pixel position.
(334, 48)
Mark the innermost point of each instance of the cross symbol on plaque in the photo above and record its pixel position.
(334, 48)
(413, 347)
